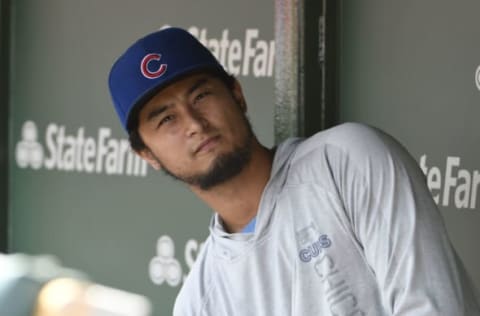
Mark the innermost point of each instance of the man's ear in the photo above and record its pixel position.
(238, 95)
(147, 155)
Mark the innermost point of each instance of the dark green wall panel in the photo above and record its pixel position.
(4, 70)
(409, 68)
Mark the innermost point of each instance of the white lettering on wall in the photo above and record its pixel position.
(456, 187)
(76, 152)
(247, 56)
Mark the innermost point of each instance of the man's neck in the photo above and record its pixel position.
(237, 200)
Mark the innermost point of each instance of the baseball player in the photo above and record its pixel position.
(341, 223)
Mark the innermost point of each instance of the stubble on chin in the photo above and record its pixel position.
(223, 168)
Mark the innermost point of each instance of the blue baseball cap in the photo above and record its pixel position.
(152, 63)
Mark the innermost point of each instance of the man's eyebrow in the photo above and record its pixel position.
(197, 85)
(157, 111)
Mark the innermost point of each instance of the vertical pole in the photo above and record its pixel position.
(286, 70)
(329, 57)
(305, 69)
(4, 123)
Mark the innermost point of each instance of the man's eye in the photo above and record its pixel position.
(200, 96)
(165, 120)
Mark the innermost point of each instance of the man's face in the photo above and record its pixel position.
(196, 131)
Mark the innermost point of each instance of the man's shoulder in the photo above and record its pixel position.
(348, 147)
(354, 140)
(347, 136)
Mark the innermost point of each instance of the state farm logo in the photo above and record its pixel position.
(165, 268)
(28, 152)
(477, 77)
(74, 151)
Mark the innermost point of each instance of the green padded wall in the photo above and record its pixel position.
(412, 68)
(76, 190)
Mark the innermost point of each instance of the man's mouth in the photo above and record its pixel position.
(207, 144)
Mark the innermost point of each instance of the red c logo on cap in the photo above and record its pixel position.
(152, 74)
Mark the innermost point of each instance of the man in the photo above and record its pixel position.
(341, 223)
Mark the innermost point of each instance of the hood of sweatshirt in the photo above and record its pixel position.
(232, 245)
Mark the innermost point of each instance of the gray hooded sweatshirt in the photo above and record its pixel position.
(346, 226)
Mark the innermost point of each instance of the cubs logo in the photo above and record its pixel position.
(315, 249)
(145, 66)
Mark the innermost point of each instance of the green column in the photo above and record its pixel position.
(306, 67)
(4, 104)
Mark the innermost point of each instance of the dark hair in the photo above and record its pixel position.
(136, 141)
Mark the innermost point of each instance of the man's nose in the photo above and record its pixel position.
(195, 122)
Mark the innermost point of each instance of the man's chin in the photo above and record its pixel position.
(220, 170)
(219, 166)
